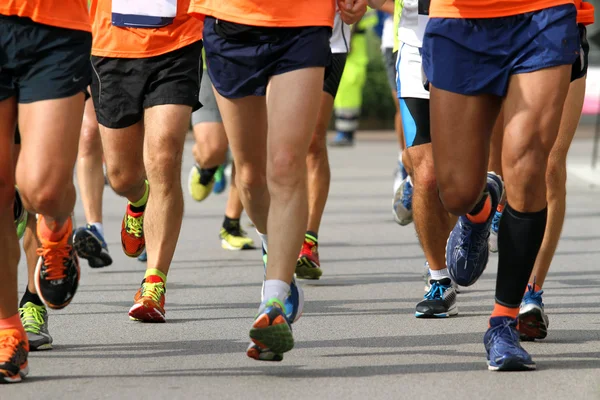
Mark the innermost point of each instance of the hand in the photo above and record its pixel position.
(351, 11)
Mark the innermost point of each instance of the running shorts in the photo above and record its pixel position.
(334, 72)
(42, 62)
(209, 111)
(241, 59)
(478, 56)
(122, 88)
(580, 66)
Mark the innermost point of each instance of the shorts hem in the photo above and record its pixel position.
(56, 96)
(179, 101)
(542, 66)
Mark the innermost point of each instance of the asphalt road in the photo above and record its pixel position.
(358, 337)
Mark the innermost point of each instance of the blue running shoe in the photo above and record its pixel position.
(143, 257)
(399, 175)
(533, 321)
(402, 204)
(494, 233)
(89, 244)
(504, 352)
(439, 301)
(467, 247)
(271, 330)
(343, 139)
(220, 180)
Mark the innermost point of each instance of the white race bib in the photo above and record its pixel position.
(143, 13)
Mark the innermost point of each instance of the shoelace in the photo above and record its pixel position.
(153, 290)
(8, 345)
(436, 291)
(531, 294)
(135, 225)
(55, 259)
(507, 329)
(32, 318)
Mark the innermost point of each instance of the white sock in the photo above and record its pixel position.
(276, 288)
(400, 156)
(263, 237)
(439, 275)
(99, 227)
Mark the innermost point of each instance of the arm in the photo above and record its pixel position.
(351, 11)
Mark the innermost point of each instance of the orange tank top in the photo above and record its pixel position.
(70, 14)
(268, 13)
(585, 12)
(142, 28)
(488, 8)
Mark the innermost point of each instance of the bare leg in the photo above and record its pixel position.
(30, 245)
(556, 179)
(234, 206)
(495, 162)
(166, 127)
(210, 149)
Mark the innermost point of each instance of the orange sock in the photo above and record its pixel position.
(50, 231)
(503, 311)
(13, 322)
(483, 215)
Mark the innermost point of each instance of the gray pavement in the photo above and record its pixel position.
(358, 337)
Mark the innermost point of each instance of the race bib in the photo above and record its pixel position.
(143, 13)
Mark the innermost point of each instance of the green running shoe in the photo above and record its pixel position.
(35, 321)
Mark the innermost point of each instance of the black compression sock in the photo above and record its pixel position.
(206, 175)
(519, 241)
(29, 297)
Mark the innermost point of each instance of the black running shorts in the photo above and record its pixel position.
(41, 62)
(580, 66)
(123, 87)
(415, 121)
(333, 73)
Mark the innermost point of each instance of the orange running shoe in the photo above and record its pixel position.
(149, 301)
(57, 271)
(14, 349)
(132, 233)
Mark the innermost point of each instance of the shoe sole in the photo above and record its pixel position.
(146, 314)
(36, 281)
(278, 338)
(512, 365)
(17, 378)
(306, 269)
(532, 325)
(42, 347)
(452, 312)
(257, 354)
(89, 247)
(225, 244)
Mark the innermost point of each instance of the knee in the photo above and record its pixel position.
(45, 195)
(164, 156)
(249, 178)
(89, 141)
(459, 200)
(318, 145)
(423, 177)
(124, 178)
(286, 169)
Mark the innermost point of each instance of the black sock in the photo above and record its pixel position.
(479, 206)
(310, 235)
(229, 223)
(519, 241)
(206, 174)
(29, 297)
(137, 209)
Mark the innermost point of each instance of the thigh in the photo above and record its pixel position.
(123, 148)
(8, 116)
(165, 130)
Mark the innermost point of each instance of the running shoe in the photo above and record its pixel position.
(13, 356)
(402, 204)
(308, 266)
(496, 224)
(399, 175)
(143, 257)
(220, 180)
(35, 321)
(20, 214)
(57, 271)
(467, 247)
(149, 301)
(254, 351)
(343, 139)
(90, 244)
(439, 301)
(271, 329)
(235, 238)
(533, 321)
(197, 190)
(504, 352)
(132, 233)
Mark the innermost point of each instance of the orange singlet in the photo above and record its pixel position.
(269, 13)
(488, 8)
(585, 12)
(70, 14)
(119, 42)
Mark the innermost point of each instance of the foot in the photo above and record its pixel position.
(402, 204)
(13, 356)
(504, 352)
(149, 301)
(439, 301)
(533, 321)
(143, 257)
(35, 321)
(20, 214)
(254, 351)
(308, 265)
(132, 233)
(220, 180)
(467, 247)
(90, 244)
(342, 140)
(199, 190)
(57, 271)
(271, 329)
(233, 237)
